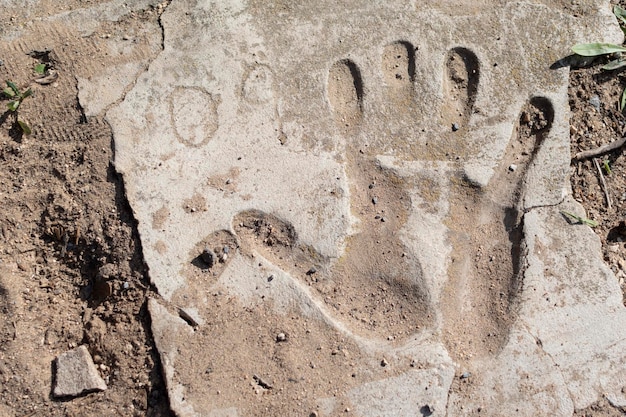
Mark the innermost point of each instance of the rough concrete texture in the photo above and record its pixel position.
(384, 181)
(76, 374)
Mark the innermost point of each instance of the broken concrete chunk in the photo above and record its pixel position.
(76, 374)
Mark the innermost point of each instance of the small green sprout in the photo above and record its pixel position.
(581, 220)
(15, 96)
(40, 69)
(618, 60)
(606, 166)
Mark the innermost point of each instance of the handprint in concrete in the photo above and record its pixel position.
(486, 233)
(373, 169)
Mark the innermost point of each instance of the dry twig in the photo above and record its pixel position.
(605, 188)
(601, 150)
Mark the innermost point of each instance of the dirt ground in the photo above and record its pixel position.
(71, 267)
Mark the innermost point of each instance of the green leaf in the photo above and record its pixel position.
(13, 105)
(40, 68)
(24, 126)
(622, 102)
(8, 92)
(13, 87)
(27, 93)
(595, 49)
(620, 13)
(581, 220)
(615, 64)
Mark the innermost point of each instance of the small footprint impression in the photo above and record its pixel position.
(377, 287)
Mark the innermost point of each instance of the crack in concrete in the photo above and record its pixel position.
(555, 364)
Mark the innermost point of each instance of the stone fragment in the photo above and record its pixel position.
(208, 257)
(76, 374)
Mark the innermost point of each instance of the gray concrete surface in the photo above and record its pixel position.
(268, 106)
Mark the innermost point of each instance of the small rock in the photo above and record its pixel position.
(384, 362)
(270, 278)
(281, 337)
(374, 200)
(455, 127)
(466, 375)
(263, 383)
(208, 257)
(226, 249)
(382, 219)
(372, 185)
(311, 271)
(595, 102)
(427, 410)
(512, 167)
(76, 374)
(107, 271)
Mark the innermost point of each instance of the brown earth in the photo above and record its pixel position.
(71, 267)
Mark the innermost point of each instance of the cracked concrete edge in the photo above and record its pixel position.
(572, 304)
(85, 20)
(166, 328)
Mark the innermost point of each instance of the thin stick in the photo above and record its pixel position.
(604, 186)
(601, 150)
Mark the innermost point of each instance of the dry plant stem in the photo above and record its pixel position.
(601, 150)
(604, 186)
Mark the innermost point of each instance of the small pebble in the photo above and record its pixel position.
(374, 200)
(226, 249)
(311, 271)
(270, 278)
(427, 410)
(512, 167)
(384, 362)
(228, 181)
(466, 375)
(382, 219)
(126, 285)
(208, 257)
(371, 185)
(281, 337)
(595, 102)
(455, 127)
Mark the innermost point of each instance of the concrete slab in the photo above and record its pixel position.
(380, 185)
